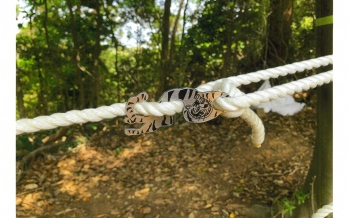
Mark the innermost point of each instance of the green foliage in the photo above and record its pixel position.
(301, 197)
(92, 126)
(289, 204)
(70, 54)
(117, 151)
(23, 142)
(303, 30)
(207, 41)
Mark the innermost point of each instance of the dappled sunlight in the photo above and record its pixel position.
(200, 168)
(78, 174)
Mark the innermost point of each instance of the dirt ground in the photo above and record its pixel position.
(187, 170)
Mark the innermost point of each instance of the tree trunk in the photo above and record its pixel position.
(173, 34)
(68, 104)
(76, 60)
(322, 162)
(184, 24)
(19, 96)
(42, 99)
(42, 103)
(96, 55)
(227, 53)
(165, 50)
(116, 45)
(53, 63)
(279, 33)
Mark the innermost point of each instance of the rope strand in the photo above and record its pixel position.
(235, 103)
(254, 99)
(324, 211)
(270, 73)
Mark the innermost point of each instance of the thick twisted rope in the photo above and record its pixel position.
(253, 99)
(230, 105)
(95, 115)
(324, 211)
(247, 114)
(270, 73)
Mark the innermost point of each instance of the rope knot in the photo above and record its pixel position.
(230, 111)
(230, 87)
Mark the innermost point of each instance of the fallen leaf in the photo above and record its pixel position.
(56, 192)
(159, 201)
(146, 210)
(40, 203)
(208, 206)
(191, 215)
(215, 209)
(18, 201)
(105, 178)
(31, 186)
(86, 199)
(142, 193)
(115, 211)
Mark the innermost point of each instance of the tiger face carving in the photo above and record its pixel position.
(200, 109)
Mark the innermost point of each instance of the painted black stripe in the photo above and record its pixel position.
(154, 126)
(188, 117)
(170, 93)
(164, 121)
(196, 93)
(149, 127)
(182, 93)
(190, 94)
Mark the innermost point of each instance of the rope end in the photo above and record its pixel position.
(257, 145)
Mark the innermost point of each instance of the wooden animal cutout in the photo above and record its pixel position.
(198, 108)
(150, 123)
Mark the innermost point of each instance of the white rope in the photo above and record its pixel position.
(270, 73)
(324, 211)
(245, 101)
(258, 129)
(234, 106)
(95, 115)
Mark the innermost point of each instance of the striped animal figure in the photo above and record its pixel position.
(198, 108)
(151, 123)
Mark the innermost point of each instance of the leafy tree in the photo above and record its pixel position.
(227, 40)
(319, 180)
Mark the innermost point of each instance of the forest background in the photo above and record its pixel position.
(48, 60)
(73, 54)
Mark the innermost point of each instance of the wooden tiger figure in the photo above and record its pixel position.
(198, 108)
(151, 123)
